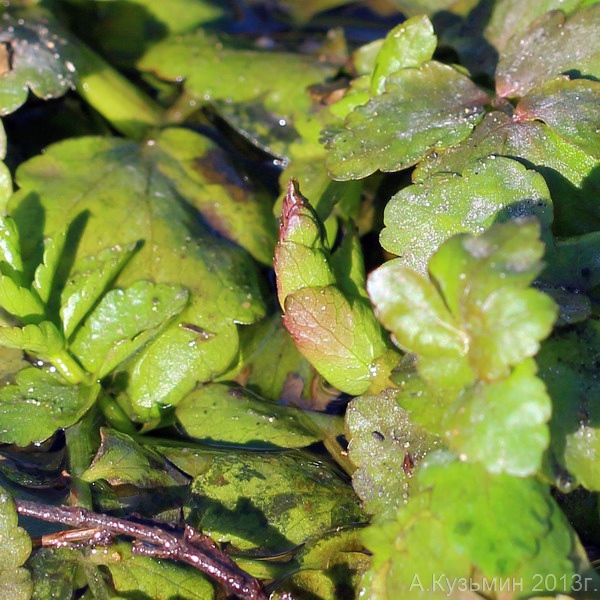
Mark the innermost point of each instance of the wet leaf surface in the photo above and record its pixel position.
(439, 117)
(551, 46)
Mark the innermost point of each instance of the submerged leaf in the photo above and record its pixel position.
(270, 502)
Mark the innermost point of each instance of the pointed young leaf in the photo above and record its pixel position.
(38, 404)
(422, 216)
(550, 47)
(434, 106)
(123, 321)
(301, 256)
(502, 425)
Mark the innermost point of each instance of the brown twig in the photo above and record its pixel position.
(193, 547)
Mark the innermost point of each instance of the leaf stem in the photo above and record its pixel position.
(69, 368)
(192, 547)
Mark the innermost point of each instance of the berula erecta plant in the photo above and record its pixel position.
(299, 299)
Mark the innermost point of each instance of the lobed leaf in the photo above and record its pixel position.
(495, 533)
(132, 193)
(502, 425)
(570, 172)
(123, 322)
(422, 216)
(433, 106)
(550, 47)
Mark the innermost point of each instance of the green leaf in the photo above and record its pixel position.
(88, 282)
(123, 321)
(422, 216)
(20, 301)
(14, 539)
(551, 46)
(132, 193)
(44, 340)
(121, 460)
(53, 572)
(270, 502)
(434, 106)
(430, 548)
(46, 270)
(386, 446)
(568, 366)
(569, 171)
(411, 307)
(156, 579)
(409, 44)
(483, 280)
(502, 425)
(38, 404)
(222, 414)
(10, 247)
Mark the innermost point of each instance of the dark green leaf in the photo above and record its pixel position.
(551, 46)
(38, 404)
(222, 414)
(41, 60)
(421, 216)
(434, 106)
(270, 502)
(570, 108)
